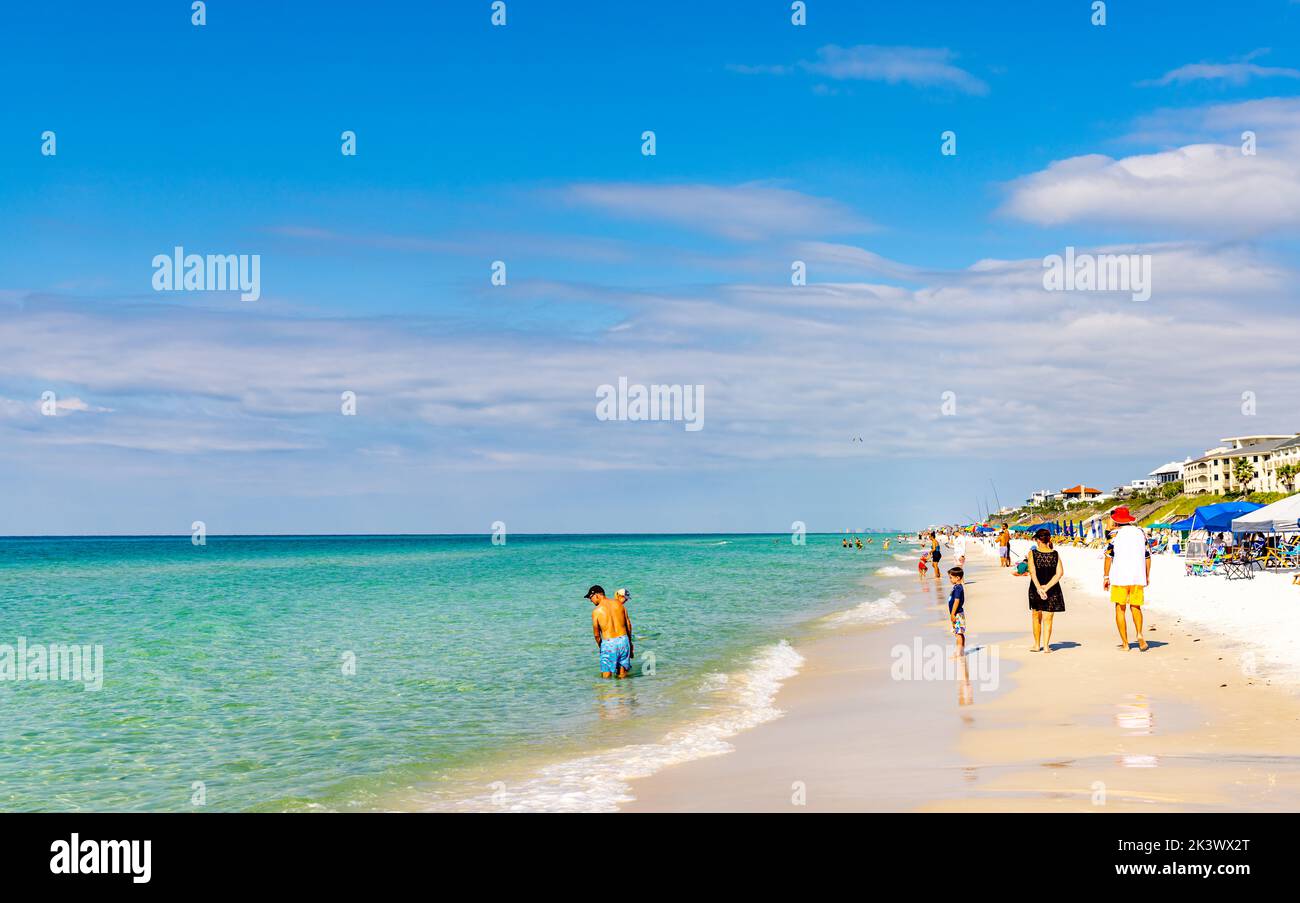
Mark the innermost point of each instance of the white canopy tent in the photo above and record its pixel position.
(1279, 517)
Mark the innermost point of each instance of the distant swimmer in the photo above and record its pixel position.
(612, 628)
(884, 546)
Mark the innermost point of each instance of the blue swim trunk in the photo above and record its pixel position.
(614, 654)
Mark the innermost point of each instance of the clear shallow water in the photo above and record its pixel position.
(474, 663)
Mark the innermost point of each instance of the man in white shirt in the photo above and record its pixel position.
(1127, 573)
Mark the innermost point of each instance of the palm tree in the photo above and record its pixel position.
(1243, 472)
(1286, 474)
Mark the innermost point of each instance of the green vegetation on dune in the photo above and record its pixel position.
(1185, 505)
(1157, 506)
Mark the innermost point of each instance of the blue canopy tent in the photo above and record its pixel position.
(1216, 518)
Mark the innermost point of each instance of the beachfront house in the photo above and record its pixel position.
(1169, 473)
(1040, 496)
(1080, 493)
(1132, 488)
(1213, 471)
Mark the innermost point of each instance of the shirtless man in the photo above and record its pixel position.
(612, 627)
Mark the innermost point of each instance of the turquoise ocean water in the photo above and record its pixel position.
(475, 681)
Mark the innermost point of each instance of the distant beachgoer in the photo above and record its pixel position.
(921, 565)
(612, 627)
(622, 596)
(1004, 546)
(884, 546)
(935, 554)
(957, 608)
(844, 543)
(959, 549)
(1127, 573)
(1045, 596)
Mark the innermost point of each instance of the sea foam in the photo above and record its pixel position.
(885, 610)
(599, 782)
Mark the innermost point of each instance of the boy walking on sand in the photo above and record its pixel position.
(957, 609)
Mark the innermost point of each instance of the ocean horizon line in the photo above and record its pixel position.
(5, 536)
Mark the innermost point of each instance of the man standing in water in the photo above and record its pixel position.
(1127, 573)
(612, 627)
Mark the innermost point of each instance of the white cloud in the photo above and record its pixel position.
(1237, 73)
(1231, 73)
(1275, 119)
(919, 66)
(922, 67)
(76, 405)
(1204, 187)
(747, 212)
(14, 408)
(790, 373)
(1198, 188)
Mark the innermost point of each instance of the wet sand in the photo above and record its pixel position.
(1181, 727)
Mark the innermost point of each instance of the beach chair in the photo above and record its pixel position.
(1239, 569)
(1288, 556)
(1206, 567)
(1240, 566)
(1270, 558)
(1279, 557)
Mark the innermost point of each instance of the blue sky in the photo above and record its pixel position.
(522, 143)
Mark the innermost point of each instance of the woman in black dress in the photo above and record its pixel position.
(1045, 597)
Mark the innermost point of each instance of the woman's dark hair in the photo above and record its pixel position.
(1043, 535)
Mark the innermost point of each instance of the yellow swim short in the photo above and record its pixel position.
(1126, 595)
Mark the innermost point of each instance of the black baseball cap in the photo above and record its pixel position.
(595, 589)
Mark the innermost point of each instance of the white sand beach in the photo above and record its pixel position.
(1205, 720)
(1262, 614)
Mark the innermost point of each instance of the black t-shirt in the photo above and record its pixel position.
(957, 596)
